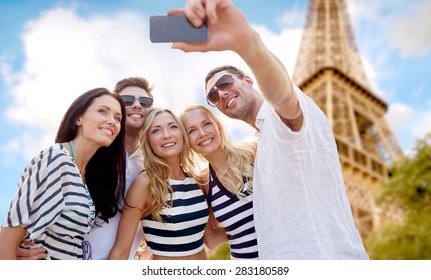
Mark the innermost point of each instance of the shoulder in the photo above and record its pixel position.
(139, 191)
(52, 158)
(140, 185)
(142, 179)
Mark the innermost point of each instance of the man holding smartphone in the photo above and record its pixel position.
(301, 207)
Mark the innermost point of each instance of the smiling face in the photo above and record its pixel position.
(165, 136)
(101, 122)
(237, 101)
(135, 114)
(203, 132)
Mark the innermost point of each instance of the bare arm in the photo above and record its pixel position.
(136, 198)
(230, 30)
(10, 239)
(214, 234)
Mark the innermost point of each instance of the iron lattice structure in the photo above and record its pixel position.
(330, 70)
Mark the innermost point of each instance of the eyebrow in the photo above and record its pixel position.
(202, 122)
(109, 108)
(171, 123)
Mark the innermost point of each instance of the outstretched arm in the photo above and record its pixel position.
(230, 30)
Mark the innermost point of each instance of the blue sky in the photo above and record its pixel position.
(52, 51)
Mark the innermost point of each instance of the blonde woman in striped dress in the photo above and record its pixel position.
(165, 198)
(229, 178)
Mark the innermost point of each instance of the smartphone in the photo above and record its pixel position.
(175, 28)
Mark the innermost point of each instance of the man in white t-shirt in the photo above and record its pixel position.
(137, 95)
(301, 208)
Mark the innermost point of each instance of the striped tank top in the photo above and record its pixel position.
(182, 230)
(235, 216)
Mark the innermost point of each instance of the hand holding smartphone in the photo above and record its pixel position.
(175, 28)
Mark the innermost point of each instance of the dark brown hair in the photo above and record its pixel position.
(105, 172)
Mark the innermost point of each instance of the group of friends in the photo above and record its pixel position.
(123, 171)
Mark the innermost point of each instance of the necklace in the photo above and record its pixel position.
(87, 192)
(74, 159)
(71, 151)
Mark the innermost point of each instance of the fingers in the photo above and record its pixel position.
(195, 12)
(39, 256)
(30, 254)
(176, 11)
(189, 47)
(28, 243)
(210, 10)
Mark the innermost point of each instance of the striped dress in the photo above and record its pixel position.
(236, 217)
(52, 204)
(181, 233)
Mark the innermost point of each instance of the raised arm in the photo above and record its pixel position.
(136, 202)
(230, 30)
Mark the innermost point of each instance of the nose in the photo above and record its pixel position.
(202, 131)
(111, 120)
(222, 93)
(136, 103)
(166, 133)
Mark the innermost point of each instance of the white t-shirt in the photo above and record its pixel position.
(102, 237)
(301, 208)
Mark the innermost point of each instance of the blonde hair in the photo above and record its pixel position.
(240, 157)
(157, 168)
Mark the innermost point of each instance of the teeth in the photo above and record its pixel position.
(230, 102)
(107, 131)
(167, 145)
(135, 116)
(206, 142)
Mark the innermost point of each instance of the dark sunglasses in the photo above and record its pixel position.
(144, 101)
(224, 83)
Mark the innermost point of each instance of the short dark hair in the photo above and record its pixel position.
(134, 82)
(106, 171)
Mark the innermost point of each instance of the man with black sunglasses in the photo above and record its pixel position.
(301, 208)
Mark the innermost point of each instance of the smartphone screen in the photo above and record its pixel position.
(175, 28)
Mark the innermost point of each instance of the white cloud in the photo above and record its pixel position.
(399, 117)
(421, 125)
(410, 30)
(404, 24)
(408, 123)
(66, 55)
(293, 17)
(285, 45)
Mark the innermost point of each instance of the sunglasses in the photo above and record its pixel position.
(144, 101)
(224, 83)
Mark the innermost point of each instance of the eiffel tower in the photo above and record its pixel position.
(330, 70)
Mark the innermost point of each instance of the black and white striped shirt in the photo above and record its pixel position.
(52, 204)
(181, 233)
(236, 217)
